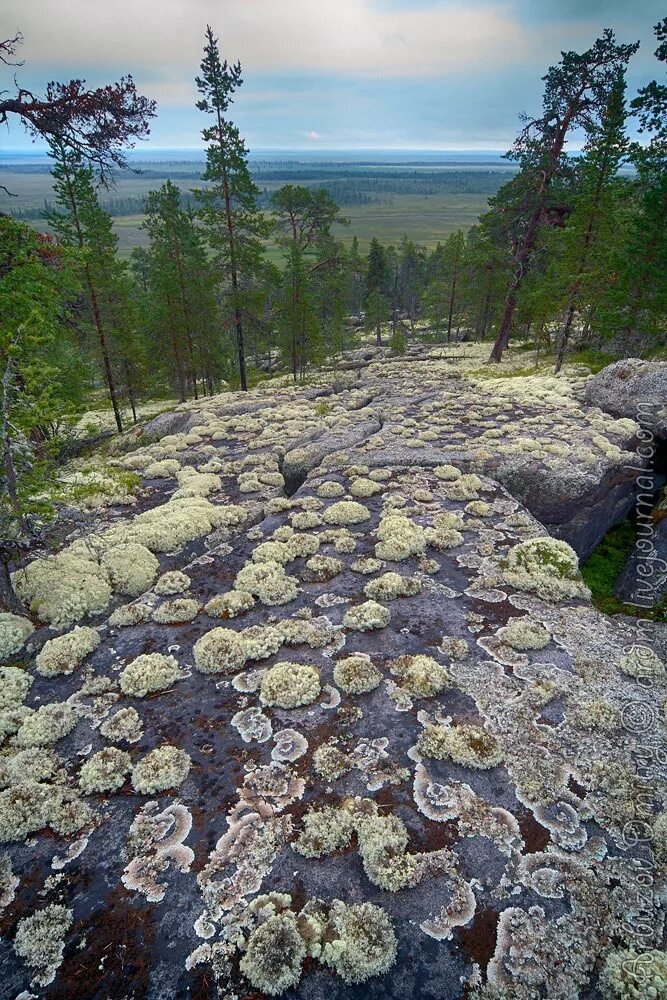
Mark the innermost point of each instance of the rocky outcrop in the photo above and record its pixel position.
(633, 388)
(643, 580)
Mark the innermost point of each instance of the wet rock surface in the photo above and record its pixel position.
(464, 818)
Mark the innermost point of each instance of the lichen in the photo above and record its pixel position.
(63, 654)
(290, 685)
(547, 566)
(162, 768)
(367, 616)
(274, 956)
(220, 651)
(149, 672)
(631, 975)
(15, 630)
(467, 745)
(356, 674)
(40, 940)
(105, 771)
(421, 675)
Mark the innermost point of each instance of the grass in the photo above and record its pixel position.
(603, 568)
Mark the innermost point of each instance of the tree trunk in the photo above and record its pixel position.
(180, 374)
(101, 335)
(451, 309)
(8, 596)
(564, 337)
(238, 322)
(186, 315)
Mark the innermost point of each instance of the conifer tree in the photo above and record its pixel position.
(232, 223)
(82, 223)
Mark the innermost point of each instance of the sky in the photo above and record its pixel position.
(328, 74)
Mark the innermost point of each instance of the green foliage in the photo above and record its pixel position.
(603, 567)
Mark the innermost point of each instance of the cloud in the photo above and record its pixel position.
(313, 136)
(361, 37)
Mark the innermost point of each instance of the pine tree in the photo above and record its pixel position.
(581, 261)
(576, 95)
(83, 224)
(232, 223)
(303, 221)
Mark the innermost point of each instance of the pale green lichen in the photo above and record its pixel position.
(547, 566)
(230, 605)
(632, 975)
(330, 762)
(172, 582)
(47, 725)
(149, 672)
(356, 674)
(63, 654)
(390, 586)
(470, 746)
(360, 943)
(162, 768)
(15, 630)
(346, 512)
(40, 940)
(643, 663)
(124, 725)
(524, 633)
(290, 685)
(324, 831)
(131, 568)
(179, 609)
(274, 956)
(105, 771)
(367, 616)
(14, 686)
(399, 537)
(220, 651)
(421, 675)
(268, 582)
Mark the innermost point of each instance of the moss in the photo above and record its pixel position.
(467, 745)
(220, 651)
(14, 633)
(604, 565)
(63, 654)
(290, 685)
(274, 956)
(162, 768)
(356, 674)
(105, 771)
(149, 672)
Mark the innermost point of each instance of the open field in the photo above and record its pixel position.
(426, 202)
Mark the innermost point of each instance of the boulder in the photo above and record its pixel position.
(633, 388)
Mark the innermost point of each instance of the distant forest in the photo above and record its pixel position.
(348, 185)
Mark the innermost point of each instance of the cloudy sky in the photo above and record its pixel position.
(329, 74)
